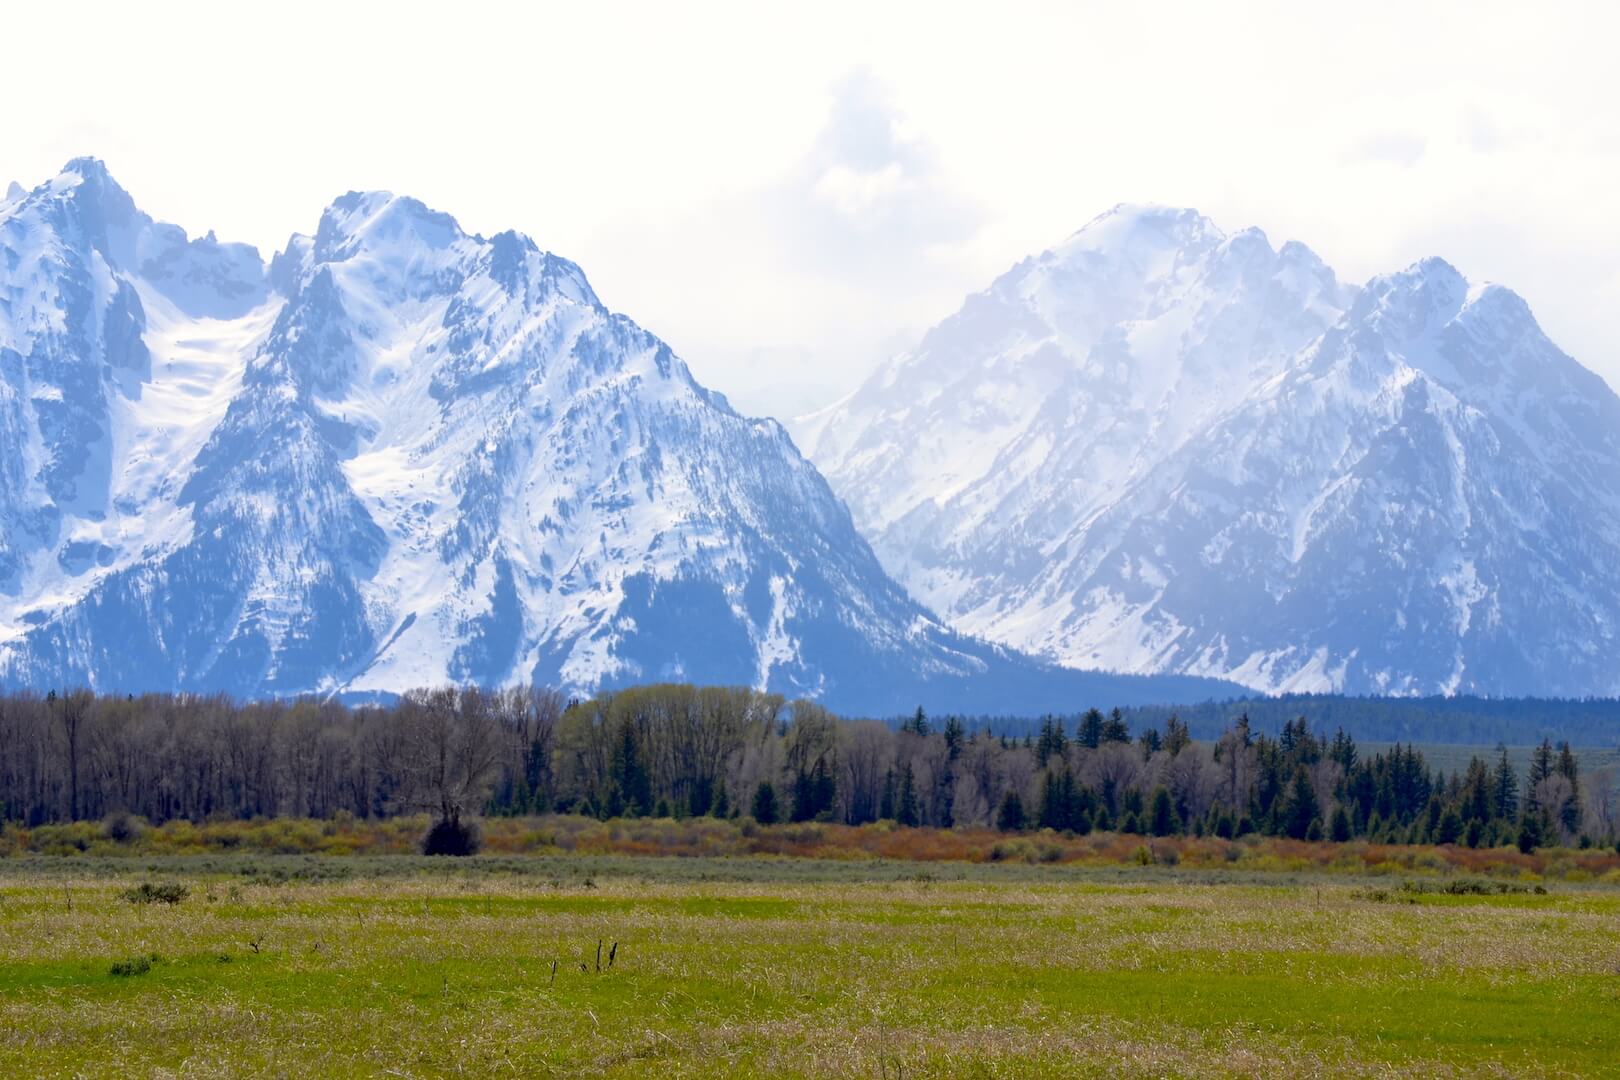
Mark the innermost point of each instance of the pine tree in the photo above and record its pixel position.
(1115, 730)
(633, 787)
(886, 804)
(1091, 730)
(1530, 834)
(1163, 820)
(1302, 807)
(1343, 750)
(955, 736)
(1449, 829)
(765, 803)
(1569, 814)
(1010, 818)
(1150, 743)
(1505, 788)
(1313, 831)
(1541, 767)
(1176, 736)
(1476, 792)
(1339, 827)
(906, 813)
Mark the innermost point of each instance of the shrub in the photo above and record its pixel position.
(136, 965)
(167, 892)
(452, 837)
(122, 827)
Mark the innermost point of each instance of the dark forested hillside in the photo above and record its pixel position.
(1593, 722)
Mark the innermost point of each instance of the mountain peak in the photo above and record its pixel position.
(378, 221)
(1129, 226)
(87, 167)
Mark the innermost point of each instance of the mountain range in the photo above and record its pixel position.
(1158, 447)
(399, 454)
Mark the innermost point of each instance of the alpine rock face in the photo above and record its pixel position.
(1159, 448)
(400, 455)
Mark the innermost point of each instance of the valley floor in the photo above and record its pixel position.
(579, 965)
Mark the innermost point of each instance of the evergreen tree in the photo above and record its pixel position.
(1339, 827)
(765, 803)
(1150, 743)
(1163, 820)
(1313, 831)
(1010, 818)
(886, 804)
(1343, 750)
(1569, 814)
(721, 806)
(906, 812)
(1449, 829)
(1115, 730)
(633, 795)
(1505, 788)
(1091, 730)
(955, 736)
(1176, 735)
(1530, 833)
(1302, 807)
(1541, 767)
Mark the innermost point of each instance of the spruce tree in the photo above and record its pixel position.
(1569, 814)
(906, 813)
(1162, 819)
(1010, 818)
(1301, 808)
(765, 803)
(1449, 829)
(1091, 730)
(1505, 787)
(1530, 834)
(1115, 730)
(1339, 827)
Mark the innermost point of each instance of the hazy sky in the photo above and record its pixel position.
(788, 198)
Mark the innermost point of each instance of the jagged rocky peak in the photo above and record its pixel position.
(1160, 447)
(431, 456)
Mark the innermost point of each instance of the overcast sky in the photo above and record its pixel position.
(787, 199)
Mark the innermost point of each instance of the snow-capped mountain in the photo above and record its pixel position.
(401, 454)
(1159, 448)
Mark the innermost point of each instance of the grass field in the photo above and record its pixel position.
(385, 965)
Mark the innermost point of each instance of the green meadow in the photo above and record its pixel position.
(580, 966)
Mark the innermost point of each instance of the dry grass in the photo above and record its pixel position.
(707, 837)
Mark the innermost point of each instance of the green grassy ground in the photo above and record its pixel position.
(410, 967)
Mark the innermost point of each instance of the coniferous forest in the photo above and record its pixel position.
(684, 751)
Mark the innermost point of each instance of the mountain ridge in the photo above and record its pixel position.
(1208, 412)
(401, 454)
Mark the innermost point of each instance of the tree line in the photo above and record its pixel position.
(679, 751)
